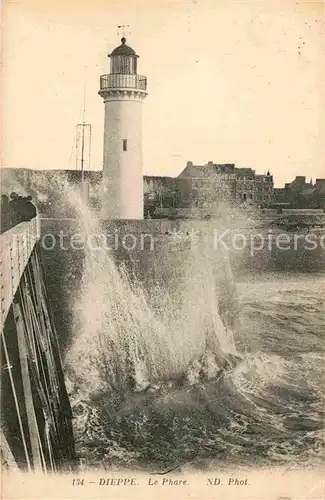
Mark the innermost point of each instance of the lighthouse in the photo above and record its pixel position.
(123, 92)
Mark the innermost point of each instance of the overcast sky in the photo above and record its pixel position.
(233, 81)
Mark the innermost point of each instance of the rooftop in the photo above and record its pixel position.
(123, 50)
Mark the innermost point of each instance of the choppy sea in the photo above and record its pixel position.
(267, 409)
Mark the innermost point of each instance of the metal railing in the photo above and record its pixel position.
(16, 246)
(118, 81)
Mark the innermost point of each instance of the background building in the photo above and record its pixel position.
(226, 182)
(302, 194)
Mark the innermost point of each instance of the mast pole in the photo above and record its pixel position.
(83, 132)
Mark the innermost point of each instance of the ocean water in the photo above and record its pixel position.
(198, 371)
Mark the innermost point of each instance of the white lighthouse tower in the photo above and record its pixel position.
(123, 91)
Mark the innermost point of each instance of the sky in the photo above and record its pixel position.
(229, 81)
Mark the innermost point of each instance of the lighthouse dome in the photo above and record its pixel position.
(123, 59)
(123, 50)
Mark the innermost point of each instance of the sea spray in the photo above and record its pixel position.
(126, 338)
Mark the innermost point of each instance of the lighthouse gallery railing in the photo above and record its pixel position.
(119, 81)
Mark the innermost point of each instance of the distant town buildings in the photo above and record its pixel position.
(301, 194)
(205, 186)
(197, 191)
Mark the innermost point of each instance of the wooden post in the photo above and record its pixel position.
(28, 396)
